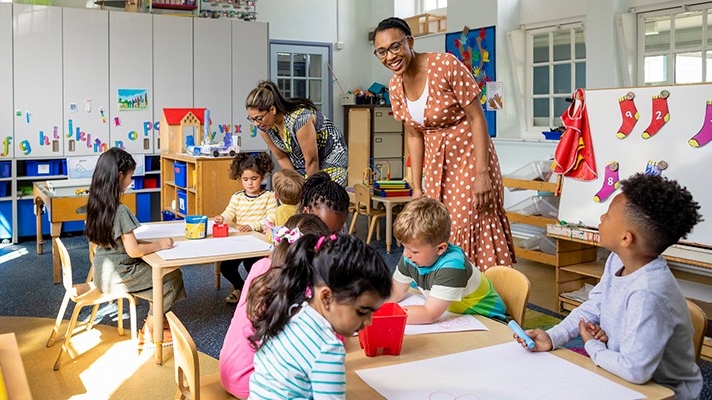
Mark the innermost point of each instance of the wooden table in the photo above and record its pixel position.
(389, 202)
(162, 267)
(61, 209)
(13, 371)
(419, 347)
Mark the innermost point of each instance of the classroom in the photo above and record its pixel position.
(163, 78)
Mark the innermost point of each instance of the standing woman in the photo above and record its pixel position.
(297, 133)
(437, 98)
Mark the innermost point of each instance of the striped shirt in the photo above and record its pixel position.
(304, 361)
(244, 209)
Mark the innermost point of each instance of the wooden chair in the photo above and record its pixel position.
(513, 287)
(364, 206)
(699, 324)
(187, 368)
(85, 294)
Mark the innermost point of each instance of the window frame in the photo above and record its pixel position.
(440, 5)
(532, 130)
(672, 52)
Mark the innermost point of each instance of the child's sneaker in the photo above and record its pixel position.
(234, 297)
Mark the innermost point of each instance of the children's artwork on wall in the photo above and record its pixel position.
(476, 49)
(132, 99)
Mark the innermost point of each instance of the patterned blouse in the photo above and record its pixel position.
(331, 144)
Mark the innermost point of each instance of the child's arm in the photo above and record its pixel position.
(428, 313)
(136, 250)
(398, 291)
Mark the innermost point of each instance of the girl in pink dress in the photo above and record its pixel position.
(437, 98)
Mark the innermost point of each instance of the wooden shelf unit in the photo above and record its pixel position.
(208, 187)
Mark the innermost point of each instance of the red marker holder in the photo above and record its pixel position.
(385, 332)
(220, 230)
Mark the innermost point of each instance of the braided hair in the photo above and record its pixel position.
(320, 191)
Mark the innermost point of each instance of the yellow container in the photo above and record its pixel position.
(196, 226)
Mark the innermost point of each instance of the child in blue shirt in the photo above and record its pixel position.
(438, 267)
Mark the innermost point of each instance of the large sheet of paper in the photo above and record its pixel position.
(505, 371)
(214, 247)
(167, 229)
(448, 322)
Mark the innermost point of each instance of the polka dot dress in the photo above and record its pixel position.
(449, 162)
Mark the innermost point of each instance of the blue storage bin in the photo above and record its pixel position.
(182, 201)
(149, 163)
(137, 183)
(4, 188)
(180, 169)
(5, 220)
(42, 167)
(63, 167)
(5, 169)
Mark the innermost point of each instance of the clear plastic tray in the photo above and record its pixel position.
(540, 242)
(533, 171)
(547, 206)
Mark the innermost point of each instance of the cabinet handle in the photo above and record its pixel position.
(378, 140)
(379, 113)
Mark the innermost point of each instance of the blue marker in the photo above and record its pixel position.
(514, 326)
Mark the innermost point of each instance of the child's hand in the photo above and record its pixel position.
(164, 243)
(590, 330)
(219, 219)
(244, 228)
(542, 341)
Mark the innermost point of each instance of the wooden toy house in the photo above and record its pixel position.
(173, 128)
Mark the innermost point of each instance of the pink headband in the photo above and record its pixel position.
(323, 239)
(285, 233)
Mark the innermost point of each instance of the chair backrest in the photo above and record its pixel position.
(363, 197)
(66, 263)
(699, 325)
(92, 253)
(185, 358)
(513, 287)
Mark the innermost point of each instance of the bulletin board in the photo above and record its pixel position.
(689, 110)
(476, 49)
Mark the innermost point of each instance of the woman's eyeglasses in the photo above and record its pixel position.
(258, 118)
(394, 48)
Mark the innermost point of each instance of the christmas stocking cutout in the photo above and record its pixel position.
(661, 115)
(629, 113)
(704, 136)
(655, 167)
(611, 182)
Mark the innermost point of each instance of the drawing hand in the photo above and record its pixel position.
(541, 339)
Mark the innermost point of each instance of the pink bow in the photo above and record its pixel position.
(291, 235)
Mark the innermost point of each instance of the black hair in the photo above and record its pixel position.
(663, 211)
(105, 194)
(267, 95)
(320, 191)
(393, 23)
(261, 163)
(344, 263)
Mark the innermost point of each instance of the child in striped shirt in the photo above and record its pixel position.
(327, 285)
(247, 208)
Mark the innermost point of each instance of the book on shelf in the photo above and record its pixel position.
(394, 184)
(392, 192)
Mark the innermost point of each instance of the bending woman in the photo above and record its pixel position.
(437, 98)
(297, 133)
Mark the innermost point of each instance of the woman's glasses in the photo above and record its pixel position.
(394, 48)
(258, 118)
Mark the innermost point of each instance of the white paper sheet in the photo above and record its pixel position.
(449, 322)
(213, 247)
(505, 371)
(168, 229)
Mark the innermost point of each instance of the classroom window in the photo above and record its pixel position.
(677, 45)
(556, 59)
(430, 5)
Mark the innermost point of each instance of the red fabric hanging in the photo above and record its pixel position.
(574, 154)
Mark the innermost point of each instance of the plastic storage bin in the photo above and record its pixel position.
(137, 183)
(534, 171)
(42, 167)
(385, 332)
(182, 201)
(540, 242)
(180, 169)
(4, 188)
(547, 206)
(150, 182)
(5, 169)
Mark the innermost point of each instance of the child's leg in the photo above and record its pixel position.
(230, 269)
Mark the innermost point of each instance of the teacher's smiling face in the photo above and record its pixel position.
(394, 49)
(262, 119)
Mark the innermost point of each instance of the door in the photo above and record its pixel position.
(301, 70)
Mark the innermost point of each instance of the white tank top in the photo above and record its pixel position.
(417, 108)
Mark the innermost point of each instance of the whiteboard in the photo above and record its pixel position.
(172, 65)
(250, 64)
(86, 73)
(37, 55)
(688, 165)
(130, 63)
(6, 116)
(212, 49)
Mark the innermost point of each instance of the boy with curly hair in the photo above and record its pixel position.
(638, 303)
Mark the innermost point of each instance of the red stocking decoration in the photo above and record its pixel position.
(661, 115)
(629, 113)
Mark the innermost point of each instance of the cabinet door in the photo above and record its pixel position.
(383, 120)
(212, 49)
(130, 85)
(250, 64)
(38, 80)
(172, 66)
(6, 137)
(359, 127)
(85, 43)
